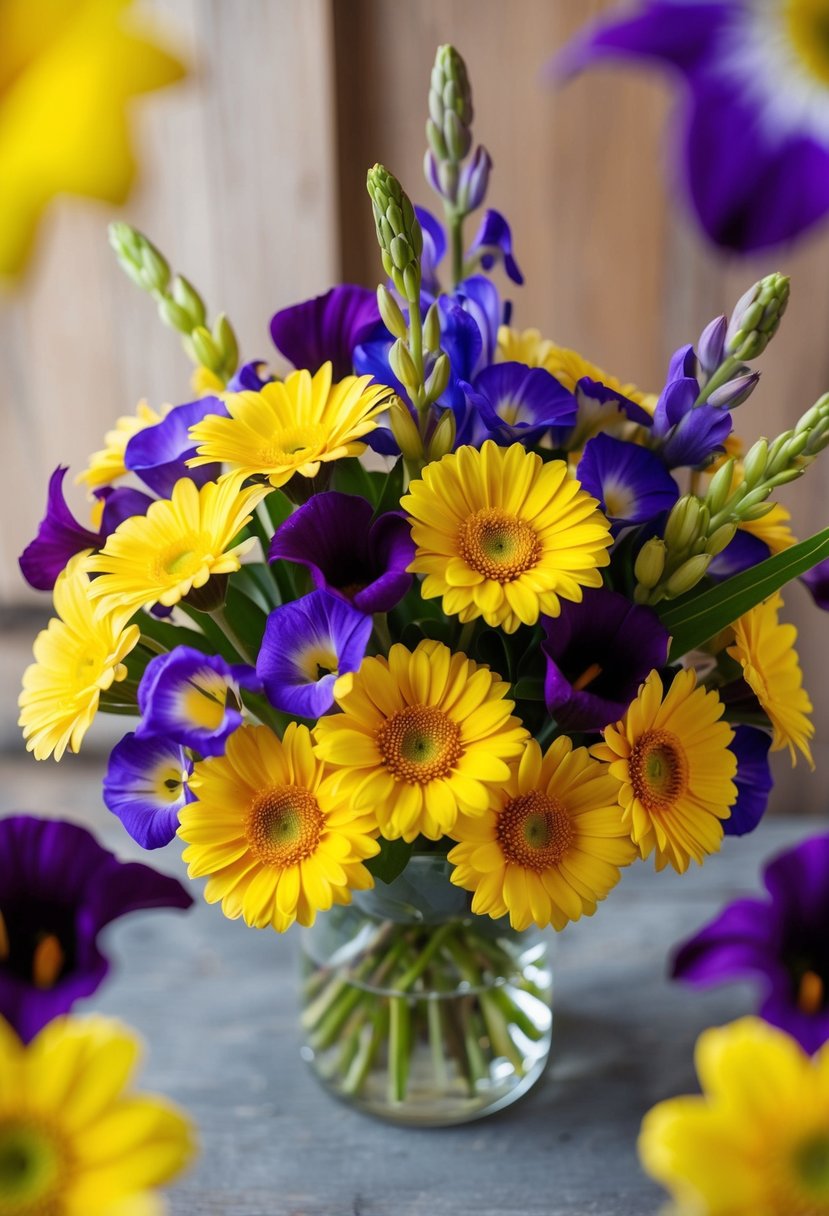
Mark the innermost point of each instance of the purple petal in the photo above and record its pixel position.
(817, 582)
(145, 787)
(753, 780)
(120, 503)
(251, 376)
(742, 941)
(434, 249)
(519, 402)
(744, 551)
(158, 454)
(680, 34)
(630, 482)
(59, 537)
(326, 328)
(493, 242)
(798, 881)
(697, 436)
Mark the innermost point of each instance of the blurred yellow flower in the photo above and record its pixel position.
(68, 69)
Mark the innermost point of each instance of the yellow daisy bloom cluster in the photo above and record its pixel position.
(77, 657)
(75, 1138)
(552, 845)
(276, 842)
(107, 465)
(503, 536)
(757, 1140)
(764, 648)
(675, 770)
(423, 735)
(292, 427)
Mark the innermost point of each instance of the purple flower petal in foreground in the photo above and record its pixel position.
(146, 786)
(598, 653)
(308, 644)
(325, 328)
(780, 942)
(630, 482)
(348, 552)
(753, 780)
(159, 454)
(193, 699)
(518, 402)
(59, 537)
(752, 119)
(58, 890)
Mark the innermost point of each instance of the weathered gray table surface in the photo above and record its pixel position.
(217, 1005)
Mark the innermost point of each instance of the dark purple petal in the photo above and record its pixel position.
(598, 653)
(680, 34)
(251, 376)
(702, 432)
(519, 402)
(479, 296)
(753, 780)
(798, 881)
(158, 454)
(817, 581)
(120, 503)
(676, 400)
(56, 880)
(742, 941)
(810, 1030)
(59, 537)
(326, 328)
(493, 243)
(181, 692)
(744, 551)
(474, 179)
(630, 482)
(146, 786)
(308, 644)
(434, 248)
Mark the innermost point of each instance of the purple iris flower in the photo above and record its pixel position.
(326, 328)
(146, 786)
(493, 243)
(193, 699)
(348, 551)
(308, 644)
(514, 401)
(434, 249)
(120, 503)
(251, 377)
(598, 653)
(752, 118)
(159, 454)
(599, 409)
(58, 890)
(687, 434)
(817, 582)
(59, 537)
(753, 780)
(781, 942)
(631, 482)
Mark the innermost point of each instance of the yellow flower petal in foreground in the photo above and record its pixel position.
(107, 465)
(75, 1138)
(276, 846)
(502, 535)
(756, 1143)
(292, 427)
(765, 650)
(423, 735)
(77, 657)
(68, 74)
(567, 366)
(675, 770)
(159, 557)
(551, 847)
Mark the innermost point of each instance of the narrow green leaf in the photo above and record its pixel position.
(162, 630)
(696, 619)
(391, 861)
(351, 478)
(278, 507)
(529, 688)
(389, 499)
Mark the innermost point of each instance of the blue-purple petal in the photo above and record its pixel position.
(158, 454)
(136, 790)
(326, 328)
(753, 780)
(59, 537)
(630, 482)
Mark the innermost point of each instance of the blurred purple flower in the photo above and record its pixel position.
(817, 581)
(752, 138)
(781, 942)
(58, 890)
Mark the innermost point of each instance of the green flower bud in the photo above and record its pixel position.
(431, 329)
(754, 465)
(682, 524)
(756, 317)
(402, 364)
(443, 437)
(754, 513)
(228, 347)
(186, 296)
(175, 316)
(405, 431)
(720, 487)
(720, 539)
(688, 575)
(390, 313)
(438, 378)
(205, 350)
(650, 562)
(398, 231)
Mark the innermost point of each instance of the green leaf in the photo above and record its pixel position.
(530, 688)
(391, 861)
(246, 617)
(351, 478)
(698, 618)
(392, 492)
(279, 507)
(162, 630)
(256, 580)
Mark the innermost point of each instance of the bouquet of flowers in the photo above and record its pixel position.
(435, 633)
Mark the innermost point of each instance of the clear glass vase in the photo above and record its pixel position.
(419, 1012)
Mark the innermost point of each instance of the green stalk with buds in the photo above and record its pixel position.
(179, 304)
(754, 322)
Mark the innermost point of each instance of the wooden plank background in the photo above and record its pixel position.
(253, 184)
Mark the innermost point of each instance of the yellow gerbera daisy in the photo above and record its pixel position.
(78, 656)
(291, 427)
(423, 735)
(756, 1142)
(674, 767)
(552, 846)
(75, 1138)
(765, 650)
(277, 846)
(502, 535)
(107, 465)
(567, 366)
(177, 546)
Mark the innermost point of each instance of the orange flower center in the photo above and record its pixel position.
(498, 545)
(658, 769)
(420, 744)
(284, 825)
(534, 831)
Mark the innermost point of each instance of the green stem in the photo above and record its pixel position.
(220, 617)
(381, 628)
(400, 1046)
(466, 635)
(151, 644)
(720, 376)
(416, 351)
(426, 955)
(456, 236)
